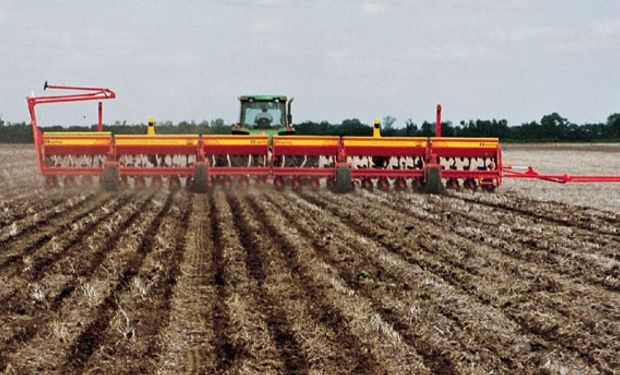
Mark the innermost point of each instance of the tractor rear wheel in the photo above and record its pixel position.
(343, 183)
(200, 183)
(432, 180)
(110, 179)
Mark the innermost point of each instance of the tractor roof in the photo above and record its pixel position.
(262, 98)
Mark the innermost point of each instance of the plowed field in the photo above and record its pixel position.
(266, 281)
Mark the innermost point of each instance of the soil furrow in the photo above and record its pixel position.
(532, 302)
(388, 282)
(463, 274)
(279, 326)
(551, 212)
(89, 340)
(40, 218)
(538, 275)
(281, 289)
(366, 324)
(34, 266)
(65, 311)
(37, 300)
(528, 242)
(225, 352)
(15, 247)
(14, 211)
(256, 280)
(131, 341)
(490, 252)
(41, 262)
(541, 230)
(32, 240)
(167, 284)
(90, 261)
(355, 272)
(250, 337)
(356, 353)
(188, 341)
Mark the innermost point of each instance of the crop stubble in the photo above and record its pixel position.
(265, 281)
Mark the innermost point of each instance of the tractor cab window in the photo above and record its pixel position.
(262, 115)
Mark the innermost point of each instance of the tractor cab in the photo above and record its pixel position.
(264, 114)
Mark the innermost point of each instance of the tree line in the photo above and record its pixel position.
(551, 128)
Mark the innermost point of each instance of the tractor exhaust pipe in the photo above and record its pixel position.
(289, 115)
(438, 122)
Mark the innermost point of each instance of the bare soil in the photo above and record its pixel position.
(282, 282)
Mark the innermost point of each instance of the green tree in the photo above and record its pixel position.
(410, 128)
(354, 127)
(428, 129)
(552, 126)
(388, 122)
(613, 121)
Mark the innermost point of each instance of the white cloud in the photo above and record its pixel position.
(396, 54)
(579, 38)
(264, 27)
(606, 29)
(373, 8)
(269, 2)
(536, 34)
(466, 52)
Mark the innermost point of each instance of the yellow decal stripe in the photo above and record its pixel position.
(156, 140)
(76, 138)
(305, 142)
(76, 134)
(156, 136)
(380, 142)
(236, 142)
(466, 144)
(76, 141)
(465, 139)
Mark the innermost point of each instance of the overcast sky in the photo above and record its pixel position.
(189, 60)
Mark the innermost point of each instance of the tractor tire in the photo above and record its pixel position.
(343, 183)
(111, 179)
(432, 180)
(200, 183)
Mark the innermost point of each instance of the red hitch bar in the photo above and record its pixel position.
(85, 94)
(531, 173)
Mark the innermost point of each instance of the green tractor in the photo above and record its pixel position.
(268, 115)
(265, 115)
